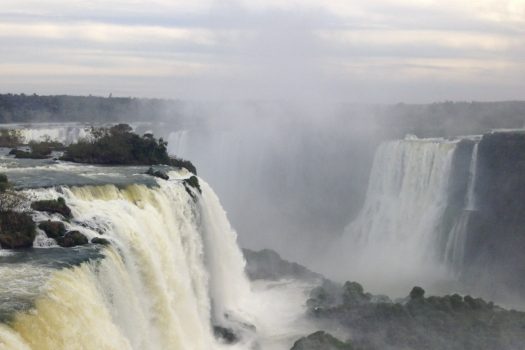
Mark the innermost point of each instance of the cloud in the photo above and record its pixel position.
(266, 49)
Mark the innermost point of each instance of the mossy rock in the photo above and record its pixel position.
(52, 206)
(53, 229)
(72, 239)
(321, 341)
(17, 230)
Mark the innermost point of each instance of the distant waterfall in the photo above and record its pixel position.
(171, 264)
(64, 133)
(178, 142)
(395, 236)
(455, 247)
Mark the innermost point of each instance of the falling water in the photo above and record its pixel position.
(455, 248)
(392, 243)
(170, 259)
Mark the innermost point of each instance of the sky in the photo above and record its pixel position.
(373, 51)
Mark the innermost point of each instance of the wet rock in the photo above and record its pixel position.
(192, 182)
(158, 173)
(17, 230)
(267, 264)
(72, 239)
(53, 206)
(53, 229)
(101, 241)
(225, 335)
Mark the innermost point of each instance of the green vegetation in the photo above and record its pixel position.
(118, 145)
(53, 206)
(321, 341)
(450, 322)
(10, 138)
(39, 150)
(35, 108)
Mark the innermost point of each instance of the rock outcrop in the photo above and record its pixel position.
(496, 233)
(17, 230)
(267, 264)
(53, 206)
(53, 229)
(72, 239)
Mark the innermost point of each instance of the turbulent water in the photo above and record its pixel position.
(394, 242)
(172, 272)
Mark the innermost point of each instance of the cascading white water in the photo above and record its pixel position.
(455, 247)
(178, 142)
(392, 243)
(169, 259)
(471, 195)
(65, 134)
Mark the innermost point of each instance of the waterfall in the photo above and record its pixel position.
(455, 247)
(395, 237)
(65, 134)
(471, 199)
(173, 268)
(178, 143)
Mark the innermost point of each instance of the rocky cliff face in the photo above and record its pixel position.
(496, 236)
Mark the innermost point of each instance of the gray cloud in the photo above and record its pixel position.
(234, 50)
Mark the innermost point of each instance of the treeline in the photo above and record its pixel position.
(424, 120)
(451, 118)
(63, 108)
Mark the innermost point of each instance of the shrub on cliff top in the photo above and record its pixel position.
(119, 145)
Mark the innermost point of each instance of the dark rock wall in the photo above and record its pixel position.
(496, 235)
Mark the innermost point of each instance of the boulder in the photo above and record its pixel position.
(72, 239)
(53, 229)
(194, 183)
(101, 241)
(53, 206)
(17, 230)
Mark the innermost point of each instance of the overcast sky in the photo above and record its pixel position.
(356, 51)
